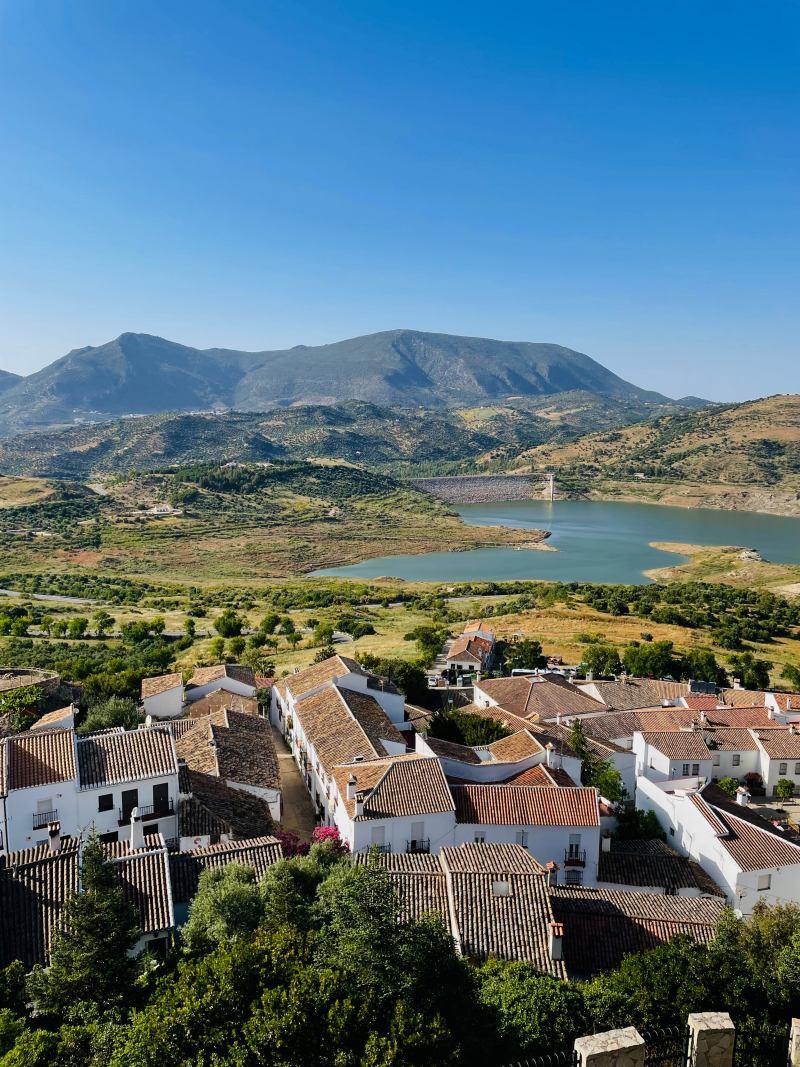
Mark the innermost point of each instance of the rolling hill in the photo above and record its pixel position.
(142, 374)
(739, 455)
(8, 380)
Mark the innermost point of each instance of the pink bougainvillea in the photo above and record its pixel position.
(329, 835)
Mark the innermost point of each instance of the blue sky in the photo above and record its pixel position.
(618, 177)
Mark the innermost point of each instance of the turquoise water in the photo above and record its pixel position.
(597, 541)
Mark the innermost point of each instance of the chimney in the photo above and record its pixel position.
(771, 710)
(54, 835)
(137, 831)
(792, 728)
(556, 940)
(359, 804)
(552, 872)
(351, 787)
(703, 716)
(742, 796)
(549, 753)
(148, 720)
(605, 842)
(737, 683)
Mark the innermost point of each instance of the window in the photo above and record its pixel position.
(480, 839)
(110, 838)
(105, 802)
(736, 759)
(522, 838)
(797, 768)
(573, 876)
(130, 800)
(782, 768)
(377, 835)
(695, 768)
(716, 759)
(764, 881)
(161, 797)
(686, 770)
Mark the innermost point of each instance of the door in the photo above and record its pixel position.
(130, 800)
(161, 798)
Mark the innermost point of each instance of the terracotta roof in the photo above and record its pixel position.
(215, 808)
(468, 648)
(679, 744)
(219, 699)
(237, 672)
(61, 719)
(724, 740)
(544, 695)
(38, 758)
(162, 683)
(744, 698)
(395, 788)
(700, 701)
(752, 842)
(509, 749)
(233, 745)
(452, 750)
(779, 743)
(601, 926)
(624, 724)
(787, 701)
(35, 885)
(497, 713)
(559, 737)
(525, 805)
(342, 725)
(176, 727)
(125, 756)
(317, 675)
(541, 775)
(653, 863)
(636, 692)
(185, 868)
(740, 718)
(474, 625)
(490, 859)
(493, 898)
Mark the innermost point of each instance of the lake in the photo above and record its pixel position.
(597, 541)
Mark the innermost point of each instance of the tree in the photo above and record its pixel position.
(229, 624)
(236, 646)
(791, 674)
(217, 648)
(77, 627)
(701, 665)
(595, 770)
(58, 627)
(524, 655)
(728, 786)
(752, 673)
(89, 962)
(227, 906)
(102, 622)
(652, 660)
(784, 789)
(113, 711)
(293, 639)
(323, 634)
(408, 677)
(450, 724)
(635, 823)
(602, 660)
(189, 629)
(322, 653)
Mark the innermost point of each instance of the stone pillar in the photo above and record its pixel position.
(615, 1048)
(794, 1044)
(712, 1039)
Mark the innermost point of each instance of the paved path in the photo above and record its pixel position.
(298, 811)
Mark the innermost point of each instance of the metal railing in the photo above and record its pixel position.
(422, 844)
(44, 818)
(667, 1046)
(565, 1058)
(147, 811)
(575, 857)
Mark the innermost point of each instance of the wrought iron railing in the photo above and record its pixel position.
(575, 857)
(422, 844)
(666, 1046)
(564, 1058)
(44, 818)
(148, 811)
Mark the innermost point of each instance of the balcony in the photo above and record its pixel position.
(147, 811)
(44, 818)
(575, 857)
(421, 845)
(377, 848)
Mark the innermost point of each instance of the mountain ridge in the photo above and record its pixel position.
(145, 374)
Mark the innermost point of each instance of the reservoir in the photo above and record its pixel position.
(597, 541)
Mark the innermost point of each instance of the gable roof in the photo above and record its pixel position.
(471, 648)
(544, 695)
(232, 745)
(679, 744)
(219, 699)
(161, 683)
(779, 743)
(475, 626)
(752, 842)
(214, 808)
(624, 724)
(486, 805)
(601, 926)
(36, 883)
(185, 868)
(396, 788)
(237, 672)
(317, 675)
(652, 863)
(125, 756)
(60, 719)
(43, 757)
(635, 693)
(540, 775)
(342, 725)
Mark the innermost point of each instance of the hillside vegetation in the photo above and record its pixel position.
(399, 440)
(743, 455)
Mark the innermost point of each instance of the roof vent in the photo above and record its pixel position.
(501, 887)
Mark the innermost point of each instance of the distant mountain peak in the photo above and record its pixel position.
(140, 373)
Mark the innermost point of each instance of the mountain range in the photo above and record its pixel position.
(141, 374)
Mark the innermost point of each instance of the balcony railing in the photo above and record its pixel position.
(575, 857)
(147, 811)
(378, 848)
(44, 818)
(423, 844)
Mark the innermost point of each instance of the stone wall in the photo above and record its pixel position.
(483, 488)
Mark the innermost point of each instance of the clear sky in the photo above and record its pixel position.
(618, 177)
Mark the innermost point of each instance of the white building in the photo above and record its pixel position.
(232, 677)
(666, 755)
(162, 696)
(744, 854)
(53, 777)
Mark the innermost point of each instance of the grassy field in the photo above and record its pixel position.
(729, 565)
(18, 492)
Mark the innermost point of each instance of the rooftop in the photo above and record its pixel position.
(526, 805)
(653, 863)
(234, 746)
(162, 683)
(125, 756)
(404, 786)
(343, 725)
(542, 695)
(318, 675)
(185, 868)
